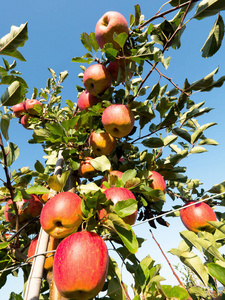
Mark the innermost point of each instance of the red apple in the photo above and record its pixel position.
(97, 79)
(101, 143)
(86, 170)
(116, 194)
(120, 64)
(18, 109)
(111, 22)
(27, 209)
(80, 265)
(52, 245)
(30, 105)
(118, 120)
(61, 215)
(86, 100)
(24, 120)
(195, 217)
(119, 174)
(158, 181)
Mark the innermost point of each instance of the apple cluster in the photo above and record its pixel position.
(27, 109)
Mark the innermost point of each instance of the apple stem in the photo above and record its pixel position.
(36, 274)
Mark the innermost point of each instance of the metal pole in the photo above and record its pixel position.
(36, 274)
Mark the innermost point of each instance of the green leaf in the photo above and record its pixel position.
(88, 188)
(217, 272)
(191, 238)
(128, 175)
(177, 2)
(120, 38)
(126, 207)
(101, 163)
(175, 292)
(11, 41)
(183, 133)
(169, 140)
(12, 153)
(85, 41)
(3, 245)
(38, 189)
(13, 94)
(209, 247)
(14, 296)
(197, 134)
(214, 40)
(153, 142)
(39, 167)
(207, 8)
(208, 142)
(192, 261)
(198, 149)
(5, 120)
(128, 237)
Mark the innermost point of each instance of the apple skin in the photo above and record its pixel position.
(24, 120)
(117, 173)
(101, 143)
(18, 109)
(194, 217)
(158, 181)
(86, 100)
(52, 245)
(118, 120)
(29, 106)
(109, 23)
(33, 209)
(80, 265)
(115, 66)
(97, 79)
(116, 194)
(86, 170)
(61, 215)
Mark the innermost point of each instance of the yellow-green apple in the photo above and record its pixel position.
(116, 194)
(27, 209)
(61, 215)
(114, 173)
(111, 22)
(18, 109)
(195, 217)
(86, 170)
(87, 100)
(52, 245)
(33, 106)
(118, 120)
(24, 120)
(97, 79)
(80, 265)
(101, 143)
(120, 65)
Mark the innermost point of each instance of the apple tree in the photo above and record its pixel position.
(117, 151)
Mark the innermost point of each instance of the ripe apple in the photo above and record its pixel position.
(117, 173)
(86, 170)
(119, 64)
(97, 79)
(118, 120)
(18, 109)
(30, 105)
(52, 245)
(158, 181)
(195, 217)
(24, 120)
(27, 209)
(80, 265)
(109, 23)
(86, 100)
(61, 215)
(116, 194)
(101, 143)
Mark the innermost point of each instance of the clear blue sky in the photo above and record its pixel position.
(54, 29)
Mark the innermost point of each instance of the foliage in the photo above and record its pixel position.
(170, 118)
